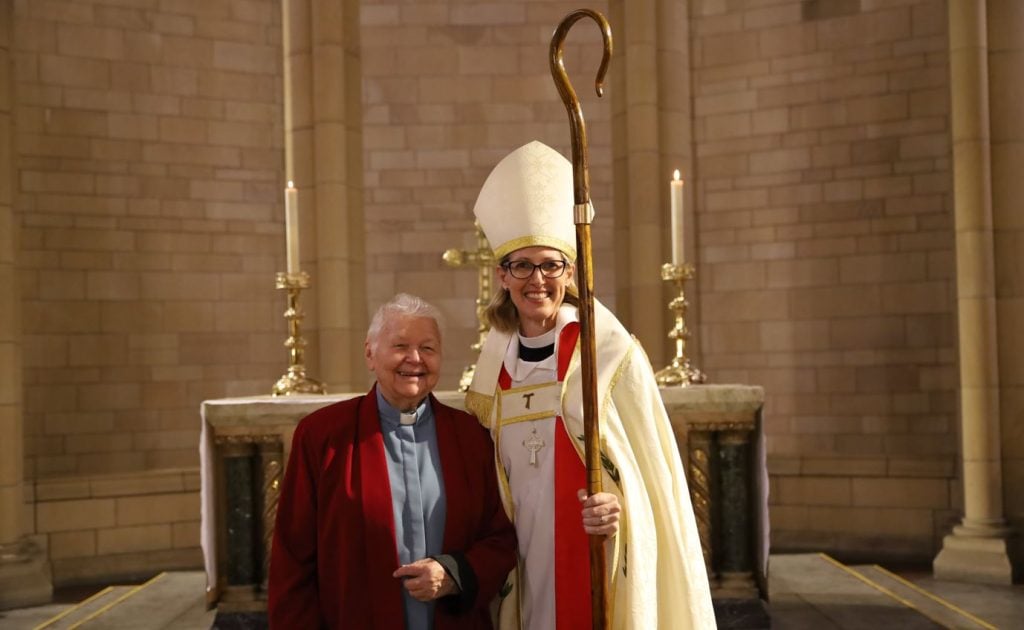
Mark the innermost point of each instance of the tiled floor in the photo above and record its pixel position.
(808, 592)
(813, 591)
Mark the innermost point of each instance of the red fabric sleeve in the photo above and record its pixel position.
(293, 594)
(476, 528)
(493, 553)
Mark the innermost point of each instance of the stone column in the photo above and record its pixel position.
(324, 134)
(11, 438)
(977, 549)
(1006, 93)
(24, 570)
(652, 136)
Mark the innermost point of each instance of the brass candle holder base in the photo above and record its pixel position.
(295, 381)
(679, 373)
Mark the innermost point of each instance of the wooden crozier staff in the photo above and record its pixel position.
(582, 216)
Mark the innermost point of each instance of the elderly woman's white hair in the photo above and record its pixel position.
(402, 305)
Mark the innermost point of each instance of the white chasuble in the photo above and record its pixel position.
(526, 443)
(657, 577)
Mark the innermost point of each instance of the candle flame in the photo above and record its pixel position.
(291, 184)
(675, 175)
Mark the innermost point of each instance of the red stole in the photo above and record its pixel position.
(572, 546)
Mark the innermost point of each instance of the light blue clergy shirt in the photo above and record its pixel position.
(417, 493)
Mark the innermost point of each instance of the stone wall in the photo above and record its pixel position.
(123, 525)
(826, 258)
(149, 171)
(449, 89)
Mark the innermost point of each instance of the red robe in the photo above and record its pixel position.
(334, 542)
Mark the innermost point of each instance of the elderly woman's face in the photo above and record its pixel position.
(406, 358)
(534, 293)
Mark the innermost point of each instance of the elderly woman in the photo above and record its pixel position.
(527, 391)
(388, 516)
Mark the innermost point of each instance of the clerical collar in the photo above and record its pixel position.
(537, 348)
(393, 416)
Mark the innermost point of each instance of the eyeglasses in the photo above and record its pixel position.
(523, 269)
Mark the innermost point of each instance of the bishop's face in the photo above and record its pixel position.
(406, 359)
(537, 297)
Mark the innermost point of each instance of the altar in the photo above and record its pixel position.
(245, 443)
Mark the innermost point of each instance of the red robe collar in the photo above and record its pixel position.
(566, 345)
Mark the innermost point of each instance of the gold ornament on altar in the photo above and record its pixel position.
(294, 280)
(295, 380)
(679, 373)
(483, 258)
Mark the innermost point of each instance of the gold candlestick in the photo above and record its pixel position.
(483, 258)
(679, 373)
(295, 381)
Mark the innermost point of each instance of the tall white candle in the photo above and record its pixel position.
(676, 189)
(291, 226)
(286, 72)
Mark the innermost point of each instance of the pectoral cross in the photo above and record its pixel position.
(533, 444)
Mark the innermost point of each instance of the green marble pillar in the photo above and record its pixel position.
(736, 566)
(242, 546)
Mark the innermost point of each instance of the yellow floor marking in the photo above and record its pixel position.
(116, 601)
(71, 609)
(881, 588)
(930, 595)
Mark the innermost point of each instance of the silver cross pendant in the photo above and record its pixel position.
(533, 444)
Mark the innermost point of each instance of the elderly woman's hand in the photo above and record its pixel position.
(600, 513)
(426, 579)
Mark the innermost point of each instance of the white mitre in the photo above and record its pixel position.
(528, 201)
